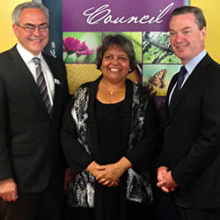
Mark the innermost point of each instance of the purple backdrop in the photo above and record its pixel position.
(120, 15)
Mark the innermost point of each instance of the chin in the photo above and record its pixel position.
(35, 52)
(38, 49)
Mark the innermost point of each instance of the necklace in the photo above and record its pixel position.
(111, 93)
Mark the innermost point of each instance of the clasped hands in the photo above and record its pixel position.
(165, 180)
(109, 175)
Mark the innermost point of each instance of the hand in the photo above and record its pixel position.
(8, 190)
(67, 178)
(108, 175)
(94, 168)
(161, 172)
(111, 173)
(165, 180)
(109, 183)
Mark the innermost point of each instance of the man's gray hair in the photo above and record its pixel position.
(18, 10)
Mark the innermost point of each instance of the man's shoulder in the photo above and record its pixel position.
(215, 64)
(208, 61)
(5, 54)
(8, 59)
(208, 71)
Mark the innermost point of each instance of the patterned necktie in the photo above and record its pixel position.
(178, 85)
(41, 83)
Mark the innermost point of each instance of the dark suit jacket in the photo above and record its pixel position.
(192, 138)
(30, 150)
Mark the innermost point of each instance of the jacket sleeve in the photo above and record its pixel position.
(144, 154)
(5, 162)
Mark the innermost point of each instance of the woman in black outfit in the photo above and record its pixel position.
(109, 136)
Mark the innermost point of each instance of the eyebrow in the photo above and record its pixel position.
(185, 28)
(35, 24)
(124, 54)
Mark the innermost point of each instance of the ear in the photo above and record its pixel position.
(15, 29)
(203, 33)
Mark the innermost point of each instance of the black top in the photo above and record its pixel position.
(109, 118)
(109, 123)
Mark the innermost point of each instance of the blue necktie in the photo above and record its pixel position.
(180, 79)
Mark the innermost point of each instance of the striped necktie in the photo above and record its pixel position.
(41, 83)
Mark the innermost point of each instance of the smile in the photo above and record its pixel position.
(181, 46)
(36, 40)
(114, 69)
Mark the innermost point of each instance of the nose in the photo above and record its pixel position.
(36, 31)
(179, 38)
(115, 60)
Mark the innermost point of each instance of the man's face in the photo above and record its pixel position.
(35, 40)
(186, 39)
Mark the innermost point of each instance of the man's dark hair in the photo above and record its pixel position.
(199, 17)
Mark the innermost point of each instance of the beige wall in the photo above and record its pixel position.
(211, 9)
(7, 39)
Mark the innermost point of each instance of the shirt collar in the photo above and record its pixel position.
(190, 66)
(26, 55)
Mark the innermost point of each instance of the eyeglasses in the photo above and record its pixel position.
(30, 28)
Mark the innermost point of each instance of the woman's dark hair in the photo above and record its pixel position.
(118, 40)
(199, 17)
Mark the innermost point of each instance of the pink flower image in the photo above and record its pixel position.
(71, 45)
(83, 50)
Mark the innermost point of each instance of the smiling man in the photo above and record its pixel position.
(190, 160)
(33, 95)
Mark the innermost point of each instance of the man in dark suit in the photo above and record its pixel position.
(33, 95)
(190, 160)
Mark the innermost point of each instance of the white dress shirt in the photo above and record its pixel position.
(28, 59)
(190, 66)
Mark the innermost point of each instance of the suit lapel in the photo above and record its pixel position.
(52, 65)
(190, 82)
(166, 104)
(25, 75)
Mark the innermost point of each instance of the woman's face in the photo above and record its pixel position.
(115, 64)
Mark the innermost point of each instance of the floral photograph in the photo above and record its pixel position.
(80, 47)
(157, 48)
